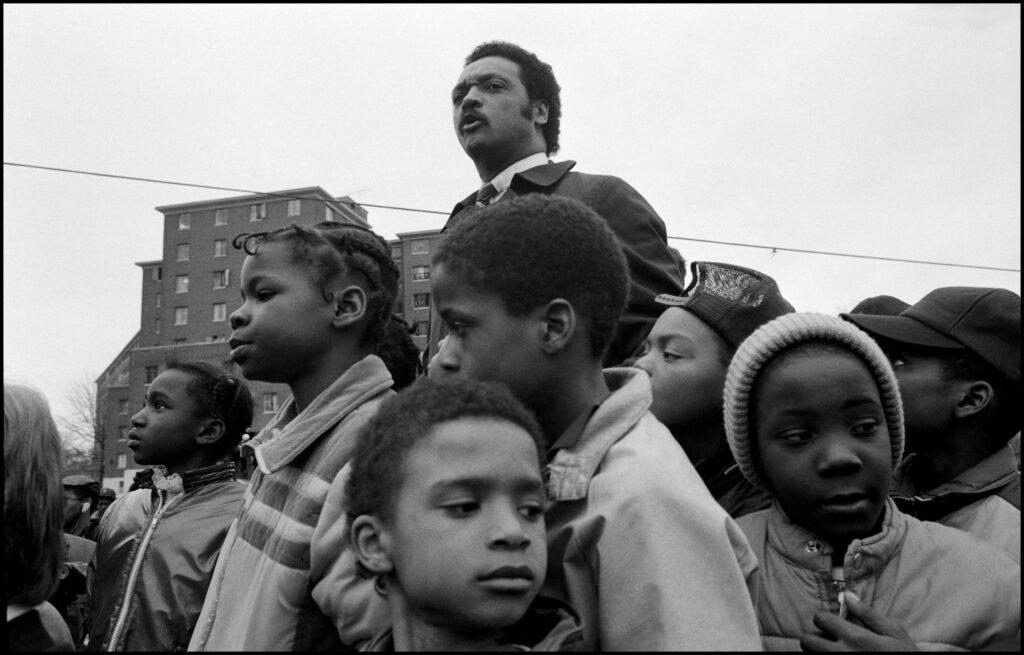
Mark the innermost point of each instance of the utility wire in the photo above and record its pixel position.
(223, 188)
(431, 211)
(846, 254)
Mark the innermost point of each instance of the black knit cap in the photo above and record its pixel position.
(734, 301)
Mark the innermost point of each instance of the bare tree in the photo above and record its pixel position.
(82, 431)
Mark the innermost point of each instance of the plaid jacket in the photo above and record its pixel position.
(280, 583)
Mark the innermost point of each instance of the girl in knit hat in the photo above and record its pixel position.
(813, 415)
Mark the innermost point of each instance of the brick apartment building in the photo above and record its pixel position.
(412, 251)
(187, 296)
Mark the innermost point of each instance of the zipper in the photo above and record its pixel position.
(839, 585)
(133, 575)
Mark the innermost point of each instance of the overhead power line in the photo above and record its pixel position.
(443, 213)
(846, 254)
(220, 188)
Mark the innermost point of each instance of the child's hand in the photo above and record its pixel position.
(878, 633)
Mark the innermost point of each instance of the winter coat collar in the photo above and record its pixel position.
(989, 474)
(289, 434)
(156, 478)
(863, 558)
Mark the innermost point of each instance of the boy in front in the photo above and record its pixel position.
(446, 507)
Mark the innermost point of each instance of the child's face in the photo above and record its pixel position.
(681, 354)
(823, 443)
(485, 341)
(928, 397)
(284, 324)
(467, 541)
(164, 431)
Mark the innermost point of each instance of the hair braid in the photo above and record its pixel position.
(329, 248)
(221, 396)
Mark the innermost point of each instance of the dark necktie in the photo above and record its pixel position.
(484, 195)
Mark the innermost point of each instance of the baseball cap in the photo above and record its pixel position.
(734, 301)
(983, 320)
(83, 482)
(885, 305)
(107, 492)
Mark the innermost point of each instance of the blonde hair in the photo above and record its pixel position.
(33, 497)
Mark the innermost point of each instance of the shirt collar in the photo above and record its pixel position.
(503, 179)
(572, 434)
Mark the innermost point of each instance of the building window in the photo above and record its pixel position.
(122, 431)
(179, 341)
(181, 315)
(258, 211)
(180, 284)
(157, 322)
(269, 402)
(421, 329)
(294, 207)
(396, 253)
(220, 217)
(220, 248)
(420, 247)
(220, 311)
(157, 273)
(420, 273)
(122, 406)
(328, 214)
(182, 252)
(420, 300)
(184, 221)
(159, 299)
(151, 373)
(221, 279)
(122, 461)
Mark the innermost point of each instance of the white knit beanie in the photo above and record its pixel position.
(771, 339)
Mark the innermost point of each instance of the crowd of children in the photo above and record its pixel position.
(752, 478)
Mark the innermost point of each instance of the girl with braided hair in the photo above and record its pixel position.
(315, 303)
(157, 545)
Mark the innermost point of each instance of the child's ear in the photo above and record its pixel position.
(212, 431)
(558, 326)
(975, 396)
(371, 542)
(348, 306)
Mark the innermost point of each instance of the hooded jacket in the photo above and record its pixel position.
(156, 551)
(949, 590)
(284, 582)
(636, 543)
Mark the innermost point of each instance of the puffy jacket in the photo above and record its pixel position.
(984, 500)
(156, 552)
(949, 590)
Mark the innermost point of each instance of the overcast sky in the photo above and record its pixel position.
(885, 130)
